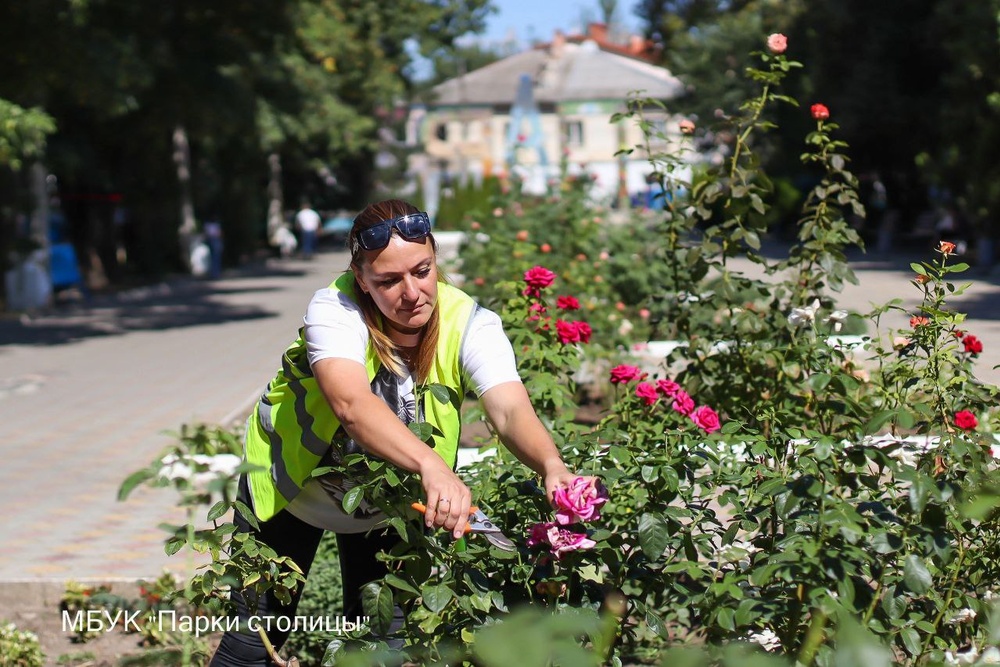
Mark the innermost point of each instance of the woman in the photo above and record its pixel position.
(387, 324)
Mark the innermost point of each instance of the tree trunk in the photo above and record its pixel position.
(275, 205)
(40, 216)
(182, 162)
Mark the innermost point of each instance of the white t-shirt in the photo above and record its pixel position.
(308, 220)
(335, 328)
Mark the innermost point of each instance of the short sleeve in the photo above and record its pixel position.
(334, 328)
(487, 357)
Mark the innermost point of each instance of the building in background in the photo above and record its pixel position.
(529, 110)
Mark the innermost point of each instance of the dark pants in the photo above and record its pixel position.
(292, 537)
(308, 243)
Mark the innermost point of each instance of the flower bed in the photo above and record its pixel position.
(735, 511)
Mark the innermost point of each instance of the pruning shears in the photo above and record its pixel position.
(480, 524)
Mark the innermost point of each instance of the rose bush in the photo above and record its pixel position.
(769, 485)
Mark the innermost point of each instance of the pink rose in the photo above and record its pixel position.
(706, 419)
(564, 541)
(560, 540)
(573, 332)
(647, 392)
(567, 303)
(539, 534)
(686, 126)
(537, 278)
(683, 403)
(624, 374)
(580, 501)
(668, 388)
(777, 43)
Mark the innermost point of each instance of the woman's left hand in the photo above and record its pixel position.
(561, 477)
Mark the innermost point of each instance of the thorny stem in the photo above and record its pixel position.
(741, 140)
(956, 571)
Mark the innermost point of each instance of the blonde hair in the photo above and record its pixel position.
(386, 350)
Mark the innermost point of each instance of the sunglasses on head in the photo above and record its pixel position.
(411, 226)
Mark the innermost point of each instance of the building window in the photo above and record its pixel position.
(441, 132)
(573, 133)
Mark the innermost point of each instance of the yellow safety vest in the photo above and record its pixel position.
(292, 425)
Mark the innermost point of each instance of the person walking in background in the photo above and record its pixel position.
(213, 237)
(308, 222)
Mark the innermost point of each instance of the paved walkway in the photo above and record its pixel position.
(880, 280)
(87, 394)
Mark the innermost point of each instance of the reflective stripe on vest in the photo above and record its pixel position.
(293, 425)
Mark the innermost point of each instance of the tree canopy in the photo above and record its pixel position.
(915, 87)
(230, 84)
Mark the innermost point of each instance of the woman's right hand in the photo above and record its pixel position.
(448, 498)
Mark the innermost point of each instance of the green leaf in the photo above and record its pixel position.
(918, 268)
(915, 575)
(727, 618)
(401, 584)
(352, 499)
(422, 430)
(247, 514)
(656, 624)
(911, 639)
(440, 392)
(377, 602)
(132, 481)
(218, 509)
(173, 545)
(894, 606)
(654, 535)
(920, 489)
(436, 597)
(886, 543)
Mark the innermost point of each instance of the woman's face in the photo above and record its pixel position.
(402, 280)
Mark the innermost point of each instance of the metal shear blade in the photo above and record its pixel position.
(480, 523)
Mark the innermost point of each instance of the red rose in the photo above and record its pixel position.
(624, 373)
(946, 247)
(668, 387)
(683, 403)
(706, 419)
(819, 111)
(567, 303)
(647, 392)
(965, 420)
(573, 332)
(538, 278)
(972, 344)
